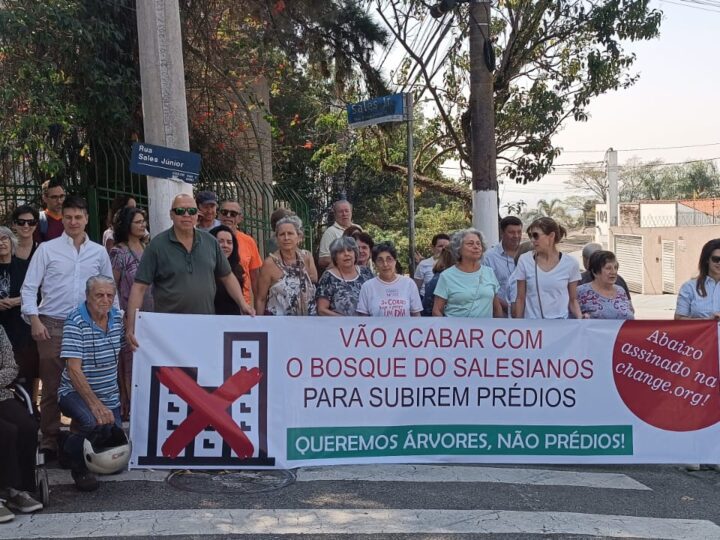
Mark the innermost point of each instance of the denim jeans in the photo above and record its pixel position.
(73, 406)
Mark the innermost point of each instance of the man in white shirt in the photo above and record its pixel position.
(424, 270)
(59, 270)
(342, 210)
(501, 257)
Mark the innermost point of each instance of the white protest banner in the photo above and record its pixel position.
(232, 392)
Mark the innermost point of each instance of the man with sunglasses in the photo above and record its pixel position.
(231, 216)
(182, 263)
(59, 270)
(51, 225)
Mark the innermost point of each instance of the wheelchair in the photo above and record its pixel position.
(42, 484)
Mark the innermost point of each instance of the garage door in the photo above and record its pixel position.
(668, 266)
(629, 253)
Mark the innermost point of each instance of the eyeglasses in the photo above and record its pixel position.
(715, 258)
(229, 213)
(534, 235)
(30, 222)
(180, 211)
(4, 239)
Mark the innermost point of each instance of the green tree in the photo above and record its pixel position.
(591, 179)
(68, 74)
(555, 209)
(553, 58)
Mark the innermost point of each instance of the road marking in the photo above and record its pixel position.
(411, 473)
(244, 522)
(440, 473)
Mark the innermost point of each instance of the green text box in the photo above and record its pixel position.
(452, 440)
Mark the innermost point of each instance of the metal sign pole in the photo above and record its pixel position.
(411, 183)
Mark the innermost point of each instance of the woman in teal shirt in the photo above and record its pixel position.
(467, 289)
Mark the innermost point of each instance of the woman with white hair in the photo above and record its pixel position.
(12, 275)
(286, 281)
(467, 289)
(338, 290)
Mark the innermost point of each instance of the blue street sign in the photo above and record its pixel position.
(376, 111)
(162, 162)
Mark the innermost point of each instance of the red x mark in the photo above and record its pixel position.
(208, 409)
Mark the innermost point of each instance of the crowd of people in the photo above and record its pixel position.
(67, 304)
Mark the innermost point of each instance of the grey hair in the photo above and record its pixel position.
(341, 244)
(341, 201)
(292, 220)
(458, 237)
(90, 283)
(590, 248)
(4, 231)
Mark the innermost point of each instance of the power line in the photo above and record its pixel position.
(688, 4)
(642, 149)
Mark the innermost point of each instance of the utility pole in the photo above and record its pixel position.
(162, 77)
(482, 122)
(613, 193)
(409, 106)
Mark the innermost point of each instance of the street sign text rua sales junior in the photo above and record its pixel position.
(163, 162)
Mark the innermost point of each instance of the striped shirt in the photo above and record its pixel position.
(98, 350)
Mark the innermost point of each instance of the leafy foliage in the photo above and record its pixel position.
(554, 57)
(68, 74)
(652, 180)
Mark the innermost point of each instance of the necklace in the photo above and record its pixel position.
(282, 258)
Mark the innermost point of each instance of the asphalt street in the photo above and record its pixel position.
(387, 501)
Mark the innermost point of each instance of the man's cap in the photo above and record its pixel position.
(204, 197)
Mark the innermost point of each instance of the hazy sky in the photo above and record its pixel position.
(676, 102)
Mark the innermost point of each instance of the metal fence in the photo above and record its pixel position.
(257, 201)
(100, 173)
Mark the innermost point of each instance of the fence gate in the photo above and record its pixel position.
(629, 253)
(668, 266)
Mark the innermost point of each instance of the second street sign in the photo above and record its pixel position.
(376, 111)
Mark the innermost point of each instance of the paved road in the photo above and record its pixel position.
(389, 501)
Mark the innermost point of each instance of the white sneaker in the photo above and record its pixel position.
(5, 514)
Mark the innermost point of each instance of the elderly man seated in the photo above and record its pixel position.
(88, 392)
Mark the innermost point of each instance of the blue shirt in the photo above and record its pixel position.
(503, 265)
(468, 294)
(691, 304)
(98, 350)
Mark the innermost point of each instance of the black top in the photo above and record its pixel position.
(12, 276)
(224, 304)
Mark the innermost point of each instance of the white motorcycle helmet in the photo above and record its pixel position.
(109, 454)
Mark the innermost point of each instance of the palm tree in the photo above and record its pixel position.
(553, 209)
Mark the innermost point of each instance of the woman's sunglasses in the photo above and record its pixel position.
(534, 235)
(715, 258)
(30, 222)
(180, 211)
